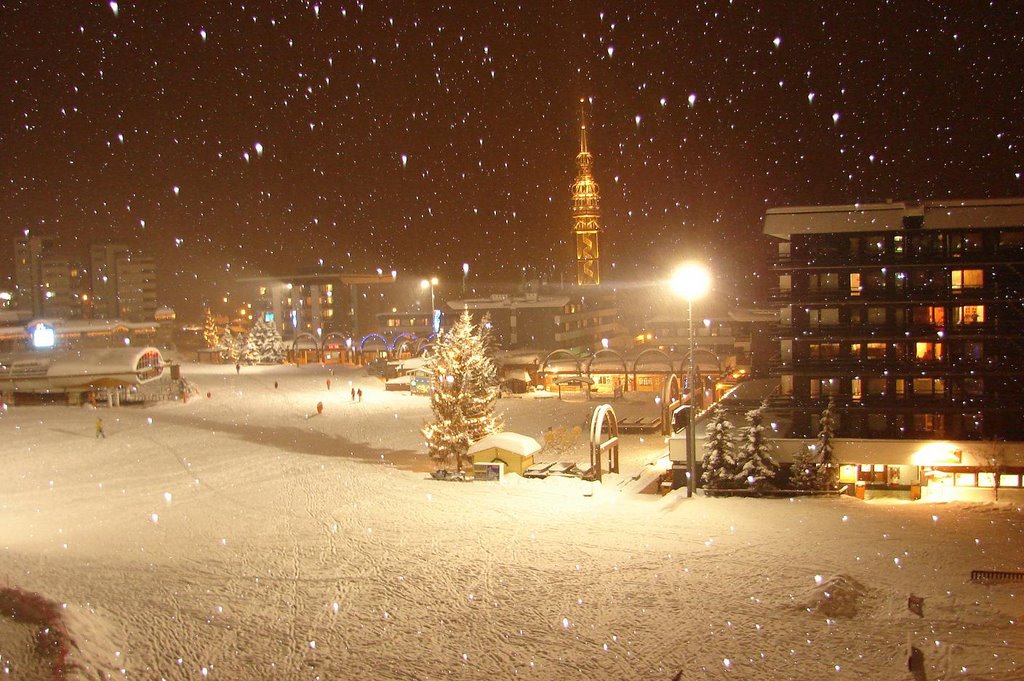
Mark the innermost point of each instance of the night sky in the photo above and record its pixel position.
(232, 138)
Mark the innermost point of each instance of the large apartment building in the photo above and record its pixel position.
(49, 281)
(909, 315)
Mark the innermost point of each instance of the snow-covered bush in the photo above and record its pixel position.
(263, 344)
(828, 473)
(719, 463)
(757, 468)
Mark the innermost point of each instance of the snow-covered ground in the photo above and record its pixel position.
(238, 537)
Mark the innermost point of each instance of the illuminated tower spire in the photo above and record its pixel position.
(586, 223)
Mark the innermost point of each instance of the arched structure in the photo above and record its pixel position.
(651, 352)
(671, 399)
(400, 343)
(697, 352)
(335, 341)
(616, 390)
(305, 348)
(567, 353)
(422, 346)
(603, 416)
(372, 336)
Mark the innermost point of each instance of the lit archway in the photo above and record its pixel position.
(604, 416)
(302, 345)
(621, 362)
(652, 352)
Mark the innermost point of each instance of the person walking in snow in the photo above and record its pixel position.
(359, 394)
(99, 430)
(319, 408)
(353, 394)
(328, 385)
(238, 368)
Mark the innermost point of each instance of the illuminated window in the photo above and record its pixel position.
(1009, 480)
(824, 387)
(928, 352)
(897, 244)
(901, 388)
(930, 315)
(876, 350)
(855, 283)
(929, 387)
(961, 279)
(855, 390)
(986, 479)
(824, 350)
(966, 480)
(970, 314)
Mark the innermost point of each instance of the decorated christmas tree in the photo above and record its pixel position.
(719, 464)
(263, 344)
(464, 388)
(211, 334)
(828, 474)
(757, 468)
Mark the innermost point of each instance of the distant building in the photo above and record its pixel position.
(908, 315)
(29, 252)
(738, 339)
(316, 313)
(550, 321)
(51, 282)
(123, 283)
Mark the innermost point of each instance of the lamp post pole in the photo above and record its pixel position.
(691, 281)
(691, 437)
(465, 273)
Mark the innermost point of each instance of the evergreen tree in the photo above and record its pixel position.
(230, 345)
(803, 474)
(464, 388)
(757, 467)
(263, 344)
(828, 473)
(211, 334)
(719, 463)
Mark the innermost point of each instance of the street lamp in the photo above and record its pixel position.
(434, 319)
(465, 273)
(691, 281)
(429, 283)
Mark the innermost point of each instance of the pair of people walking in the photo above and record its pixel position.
(357, 394)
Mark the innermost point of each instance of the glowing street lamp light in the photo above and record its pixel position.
(429, 283)
(691, 281)
(465, 273)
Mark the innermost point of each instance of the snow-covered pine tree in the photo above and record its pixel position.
(803, 473)
(230, 345)
(263, 344)
(211, 334)
(757, 468)
(464, 384)
(719, 463)
(828, 473)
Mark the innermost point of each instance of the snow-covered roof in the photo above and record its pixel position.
(523, 445)
(785, 221)
(85, 367)
(509, 303)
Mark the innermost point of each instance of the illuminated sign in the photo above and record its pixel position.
(437, 321)
(43, 336)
